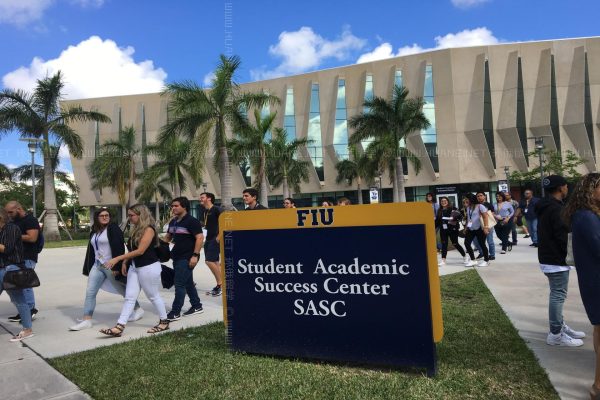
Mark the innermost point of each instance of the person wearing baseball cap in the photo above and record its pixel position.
(552, 253)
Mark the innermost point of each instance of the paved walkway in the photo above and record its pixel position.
(514, 279)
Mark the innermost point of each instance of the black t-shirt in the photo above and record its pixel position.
(183, 234)
(210, 221)
(26, 223)
(256, 207)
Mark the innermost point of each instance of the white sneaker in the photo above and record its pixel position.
(136, 315)
(562, 339)
(482, 263)
(470, 263)
(466, 259)
(442, 263)
(572, 333)
(85, 324)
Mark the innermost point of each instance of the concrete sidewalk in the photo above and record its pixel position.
(60, 301)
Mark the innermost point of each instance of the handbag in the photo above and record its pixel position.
(22, 278)
(570, 260)
(491, 219)
(162, 251)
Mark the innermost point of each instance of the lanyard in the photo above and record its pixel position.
(96, 239)
(470, 212)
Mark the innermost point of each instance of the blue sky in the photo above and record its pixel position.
(115, 47)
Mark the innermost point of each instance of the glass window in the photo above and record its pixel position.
(340, 134)
(430, 135)
(315, 149)
(368, 96)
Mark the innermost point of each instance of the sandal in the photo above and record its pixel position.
(21, 336)
(117, 331)
(158, 328)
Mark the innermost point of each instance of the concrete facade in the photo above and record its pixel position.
(521, 90)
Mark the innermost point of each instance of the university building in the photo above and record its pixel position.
(486, 105)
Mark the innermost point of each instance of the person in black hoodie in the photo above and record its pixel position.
(448, 221)
(552, 254)
(106, 242)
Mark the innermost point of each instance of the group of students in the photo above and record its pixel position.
(477, 229)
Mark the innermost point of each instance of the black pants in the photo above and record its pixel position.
(503, 233)
(453, 235)
(469, 236)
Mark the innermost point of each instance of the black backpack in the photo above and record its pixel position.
(39, 243)
(162, 251)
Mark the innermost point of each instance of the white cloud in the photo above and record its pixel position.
(92, 68)
(63, 152)
(304, 49)
(88, 3)
(468, 37)
(21, 12)
(208, 79)
(468, 3)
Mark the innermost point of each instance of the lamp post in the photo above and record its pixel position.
(379, 187)
(539, 147)
(32, 145)
(204, 186)
(506, 172)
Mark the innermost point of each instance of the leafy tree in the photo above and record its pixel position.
(554, 164)
(196, 114)
(114, 167)
(283, 167)
(386, 123)
(39, 115)
(5, 173)
(359, 167)
(151, 186)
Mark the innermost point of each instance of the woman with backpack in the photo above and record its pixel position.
(106, 242)
(448, 221)
(142, 268)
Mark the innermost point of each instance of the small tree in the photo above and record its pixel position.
(359, 167)
(554, 164)
(284, 168)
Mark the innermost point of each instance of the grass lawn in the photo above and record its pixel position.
(66, 243)
(480, 357)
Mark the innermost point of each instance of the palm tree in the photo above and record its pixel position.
(386, 123)
(39, 115)
(6, 173)
(196, 112)
(23, 173)
(358, 166)
(173, 161)
(250, 143)
(282, 165)
(150, 187)
(114, 168)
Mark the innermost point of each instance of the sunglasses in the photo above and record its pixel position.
(104, 216)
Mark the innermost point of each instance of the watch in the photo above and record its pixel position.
(196, 255)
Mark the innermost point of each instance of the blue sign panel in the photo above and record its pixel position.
(355, 294)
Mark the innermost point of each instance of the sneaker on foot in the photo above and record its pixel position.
(525, 237)
(479, 256)
(16, 318)
(85, 324)
(482, 263)
(193, 311)
(503, 252)
(492, 258)
(442, 263)
(574, 334)
(136, 315)
(466, 259)
(171, 316)
(470, 263)
(215, 292)
(34, 312)
(562, 339)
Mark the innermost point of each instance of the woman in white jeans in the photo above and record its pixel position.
(144, 273)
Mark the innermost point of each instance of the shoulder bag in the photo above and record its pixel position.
(22, 278)
(491, 219)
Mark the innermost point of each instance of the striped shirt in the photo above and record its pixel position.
(10, 237)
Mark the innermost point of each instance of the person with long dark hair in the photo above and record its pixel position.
(448, 222)
(288, 202)
(106, 242)
(11, 257)
(504, 213)
(582, 215)
(143, 272)
(476, 214)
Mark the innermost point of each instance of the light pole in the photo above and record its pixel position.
(32, 145)
(379, 187)
(539, 147)
(506, 172)
(204, 186)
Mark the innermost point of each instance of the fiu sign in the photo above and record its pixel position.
(334, 283)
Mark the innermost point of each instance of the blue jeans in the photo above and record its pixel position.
(17, 297)
(96, 278)
(532, 227)
(490, 244)
(559, 284)
(184, 283)
(29, 297)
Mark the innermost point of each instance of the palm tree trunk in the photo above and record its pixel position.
(359, 191)
(264, 190)
(51, 232)
(156, 209)
(399, 182)
(131, 183)
(123, 213)
(225, 176)
(286, 188)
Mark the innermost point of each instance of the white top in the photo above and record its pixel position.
(550, 269)
(101, 246)
(473, 221)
